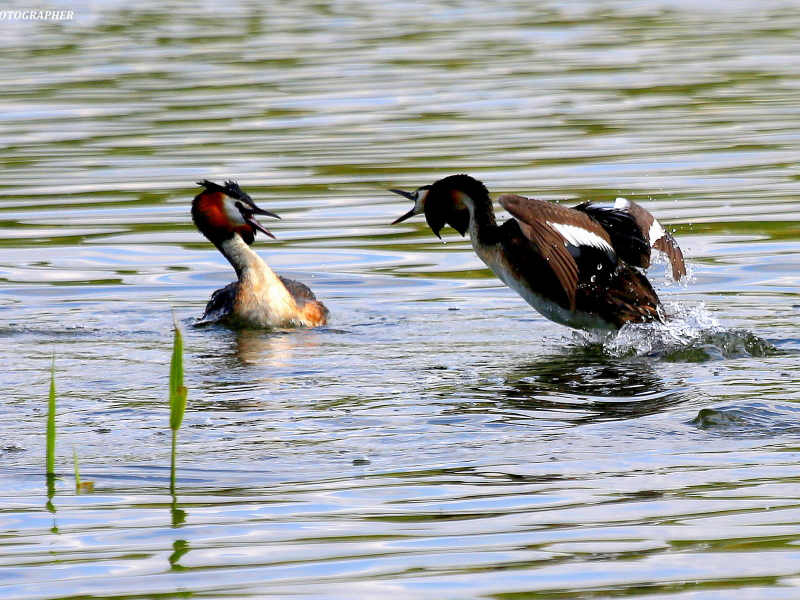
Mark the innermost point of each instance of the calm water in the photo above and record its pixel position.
(439, 439)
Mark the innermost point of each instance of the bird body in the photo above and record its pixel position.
(580, 267)
(260, 298)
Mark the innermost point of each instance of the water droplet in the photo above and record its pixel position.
(599, 267)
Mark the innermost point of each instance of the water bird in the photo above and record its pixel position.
(227, 217)
(581, 267)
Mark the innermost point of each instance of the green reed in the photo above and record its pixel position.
(80, 486)
(75, 468)
(177, 396)
(50, 448)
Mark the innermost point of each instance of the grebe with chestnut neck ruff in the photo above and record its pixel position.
(227, 217)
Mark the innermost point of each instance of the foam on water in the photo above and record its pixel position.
(690, 334)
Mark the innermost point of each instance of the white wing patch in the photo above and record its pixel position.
(578, 236)
(621, 203)
(656, 232)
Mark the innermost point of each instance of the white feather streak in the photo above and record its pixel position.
(622, 203)
(578, 236)
(656, 232)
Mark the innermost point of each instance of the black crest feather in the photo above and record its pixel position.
(230, 188)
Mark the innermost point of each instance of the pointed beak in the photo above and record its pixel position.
(410, 213)
(403, 193)
(249, 212)
(260, 211)
(252, 220)
(406, 216)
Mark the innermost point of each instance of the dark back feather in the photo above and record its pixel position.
(628, 297)
(300, 291)
(220, 305)
(627, 237)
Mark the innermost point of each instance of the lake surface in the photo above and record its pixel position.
(439, 439)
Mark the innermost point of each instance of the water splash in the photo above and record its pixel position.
(690, 334)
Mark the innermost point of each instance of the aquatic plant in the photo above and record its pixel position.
(177, 396)
(50, 447)
(80, 486)
(75, 468)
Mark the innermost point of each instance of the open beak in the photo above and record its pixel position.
(260, 211)
(252, 220)
(410, 213)
(249, 213)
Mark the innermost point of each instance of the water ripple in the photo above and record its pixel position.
(439, 439)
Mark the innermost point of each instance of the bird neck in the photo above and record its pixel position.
(261, 296)
(482, 222)
(250, 267)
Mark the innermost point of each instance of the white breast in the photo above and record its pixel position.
(579, 320)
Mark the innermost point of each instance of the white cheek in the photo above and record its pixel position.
(234, 214)
(419, 203)
(578, 236)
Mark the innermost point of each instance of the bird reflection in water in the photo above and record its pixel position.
(245, 367)
(577, 388)
(274, 349)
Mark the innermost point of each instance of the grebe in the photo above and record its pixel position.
(578, 266)
(226, 216)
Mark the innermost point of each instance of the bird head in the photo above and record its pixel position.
(445, 202)
(220, 211)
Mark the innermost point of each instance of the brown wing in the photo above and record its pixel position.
(667, 244)
(536, 219)
(658, 237)
(525, 263)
